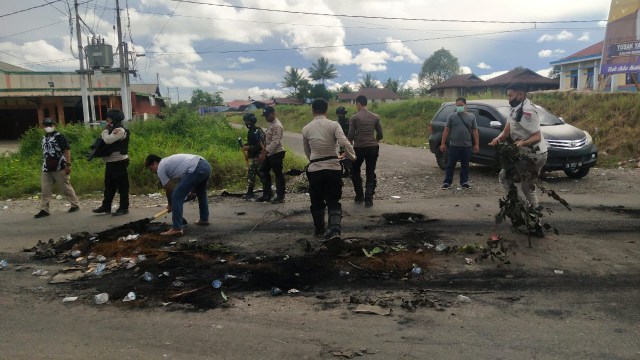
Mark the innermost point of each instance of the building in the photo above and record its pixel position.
(28, 97)
(459, 85)
(533, 81)
(372, 94)
(581, 71)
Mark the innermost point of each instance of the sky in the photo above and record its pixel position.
(244, 47)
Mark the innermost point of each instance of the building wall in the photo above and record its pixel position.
(575, 75)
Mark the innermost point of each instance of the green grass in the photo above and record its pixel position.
(184, 132)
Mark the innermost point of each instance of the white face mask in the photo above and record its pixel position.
(49, 129)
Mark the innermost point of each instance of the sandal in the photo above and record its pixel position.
(173, 232)
(202, 223)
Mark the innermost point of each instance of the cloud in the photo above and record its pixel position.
(585, 37)
(257, 92)
(402, 52)
(544, 72)
(465, 70)
(370, 61)
(493, 74)
(412, 83)
(550, 53)
(37, 55)
(245, 60)
(483, 66)
(561, 36)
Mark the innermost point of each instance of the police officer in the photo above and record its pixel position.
(253, 147)
(344, 124)
(523, 127)
(116, 158)
(319, 139)
(272, 158)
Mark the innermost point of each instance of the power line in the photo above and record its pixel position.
(166, 22)
(38, 28)
(386, 17)
(31, 8)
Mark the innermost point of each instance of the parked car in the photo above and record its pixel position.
(570, 149)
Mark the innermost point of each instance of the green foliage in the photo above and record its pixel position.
(205, 98)
(368, 82)
(183, 132)
(438, 67)
(392, 85)
(323, 70)
(320, 91)
(293, 78)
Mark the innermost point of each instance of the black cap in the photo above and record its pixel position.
(341, 110)
(115, 115)
(268, 110)
(48, 122)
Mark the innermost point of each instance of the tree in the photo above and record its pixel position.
(293, 78)
(368, 81)
(204, 98)
(438, 67)
(392, 85)
(555, 72)
(345, 89)
(304, 90)
(319, 91)
(322, 70)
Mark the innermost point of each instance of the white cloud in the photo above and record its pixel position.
(483, 66)
(465, 70)
(245, 60)
(493, 74)
(36, 55)
(412, 83)
(370, 61)
(403, 53)
(561, 36)
(549, 53)
(544, 72)
(257, 92)
(585, 37)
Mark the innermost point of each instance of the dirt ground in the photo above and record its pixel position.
(569, 296)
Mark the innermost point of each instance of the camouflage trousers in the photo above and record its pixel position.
(253, 171)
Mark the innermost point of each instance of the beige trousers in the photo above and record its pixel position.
(47, 179)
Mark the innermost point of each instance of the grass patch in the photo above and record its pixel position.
(184, 132)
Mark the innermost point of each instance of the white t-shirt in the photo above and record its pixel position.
(176, 166)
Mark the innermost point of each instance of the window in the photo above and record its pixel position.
(484, 119)
(589, 82)
(573, 79)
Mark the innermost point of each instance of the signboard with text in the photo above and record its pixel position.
(621, 52)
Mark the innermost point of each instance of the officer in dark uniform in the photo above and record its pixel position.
(344, 124)
(253, 147)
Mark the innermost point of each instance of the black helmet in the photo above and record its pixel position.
(250, 118)
(115, 115)
(341, 110)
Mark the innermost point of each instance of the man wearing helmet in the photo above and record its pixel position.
(344, 124)
(253, 147)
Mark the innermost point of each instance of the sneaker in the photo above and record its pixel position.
(446, 186)
(277, 200)
(102, 210)
(465, 186)
(120, 212)
(41, 214)
(73, 209)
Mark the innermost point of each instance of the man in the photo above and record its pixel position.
(253, 147)
(344, 124)
(362, 126)
(116, 159)
(193, 173)
(56, 168)
(460, 127)
(272, 158)
(523, 127)
(319, 138)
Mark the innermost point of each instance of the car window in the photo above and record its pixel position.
(484, 118)
(546, 118)
(445, 112)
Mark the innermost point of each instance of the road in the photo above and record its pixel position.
(524, 310)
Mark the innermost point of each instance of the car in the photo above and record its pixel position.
(569, 149)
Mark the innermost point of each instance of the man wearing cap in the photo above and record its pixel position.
(272, 158)
(56, 168)
(116, 158)
(344, 124)
(253, 147)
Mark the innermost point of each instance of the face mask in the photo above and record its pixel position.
(514, 102)
(459, 109)
(49, 129)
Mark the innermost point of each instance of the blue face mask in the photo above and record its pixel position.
(459, 109)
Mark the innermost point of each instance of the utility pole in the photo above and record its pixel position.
(124, 69)
(178, 92)
(83, 84)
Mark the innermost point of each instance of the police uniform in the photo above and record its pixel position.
(255, 141)
(534, 156)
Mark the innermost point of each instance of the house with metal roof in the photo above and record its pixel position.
(459, 85)
(531, 79)
(373, 95)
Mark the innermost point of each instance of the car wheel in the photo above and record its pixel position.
(577, 173)
(441, 159)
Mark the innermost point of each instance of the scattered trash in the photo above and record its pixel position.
(416, 271)
(275, 291)
(469, 261)
(129, 237)
(224, 296)
(76, 253)
(101, 298)
(229, 276)
(69, 299)
(163, 274)
(177, 283)
(464, 299)
(130, 296)
(101, 258)
(395, 197)
(99, 269)
(142, 257)
(369, 254)
(58, 197)
(372, 309)
(442, 248)
(40, 272)
(558, 272)
(147, 276)
(3, 264)
(343, 273)
(5, 207)
(217, 284)
(293, 291)
(428, 245)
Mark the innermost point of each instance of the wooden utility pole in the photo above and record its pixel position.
(83, 83)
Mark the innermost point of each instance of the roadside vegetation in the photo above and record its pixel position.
(181, 132)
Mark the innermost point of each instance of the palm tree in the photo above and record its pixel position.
(323, 70)
(293, 78)
(392, 85)
(369, 81)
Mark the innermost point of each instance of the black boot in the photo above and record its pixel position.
(335, 218)
(370, 189)
(266, 188)
(249, 194)
(357, 188)
(318, 222)
(280, 190)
